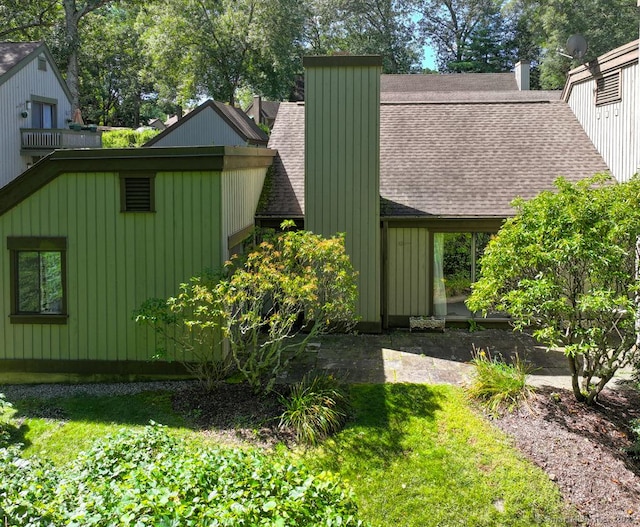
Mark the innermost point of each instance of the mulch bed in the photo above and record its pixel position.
(584, 450)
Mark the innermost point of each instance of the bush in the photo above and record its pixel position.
(565, 267)
(149, 478)
(634, 449)
(498, 385)
(127, 138)
(315, 408)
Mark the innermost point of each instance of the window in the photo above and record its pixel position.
(43, 115)
(456, 265)
(608, 89)
(42, 64)
(38, 280)
(137, 193)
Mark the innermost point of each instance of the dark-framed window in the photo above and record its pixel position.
(44, 112)
(38, 283)
(137, 192)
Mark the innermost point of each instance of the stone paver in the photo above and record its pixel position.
(434, 358)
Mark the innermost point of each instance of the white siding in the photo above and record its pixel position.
(611, 127)
(28, 82)
(240, 193)
(206, 128)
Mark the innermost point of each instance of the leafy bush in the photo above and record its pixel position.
(565, 267)
(149, 478)
(127, 138)
(499, 385)
(634, 449)
(315, 408)
(292, 281)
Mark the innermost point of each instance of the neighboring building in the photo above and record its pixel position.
(157, 124)
(263, 112)
(89, 235)
(419, 181)
(603, 94)
(211, 123)
(35, 109)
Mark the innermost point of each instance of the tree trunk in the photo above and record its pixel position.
(575, 378)
(72, 44)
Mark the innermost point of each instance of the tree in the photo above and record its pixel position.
(384, 27)
(606, 24)
(25, 20)
(565, 267)
(293, 281)
(453, 25)
(215, 47)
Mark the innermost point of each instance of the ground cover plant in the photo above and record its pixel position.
(148, 477)
(565, 267)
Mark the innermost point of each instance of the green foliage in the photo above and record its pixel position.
(565, 267)
(292, 281)
(127, 138)
(634, 449)
(315, 408)
(498, 385)
(5, 421)
(149, 478)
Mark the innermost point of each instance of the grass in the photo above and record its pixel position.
(415, 455)
(418, 456)
(498, 385)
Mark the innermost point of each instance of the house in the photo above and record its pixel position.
(417, 178)
(88, 235)
(263, 112)
(211, 123)
(35, 109)
(603, 94)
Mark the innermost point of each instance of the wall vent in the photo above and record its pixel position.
(137, 193)
(608, 89)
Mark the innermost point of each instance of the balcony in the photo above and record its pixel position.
(41, 141)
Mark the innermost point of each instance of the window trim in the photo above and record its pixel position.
(151, 176)
(16, 244)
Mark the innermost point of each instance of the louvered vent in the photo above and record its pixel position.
(137, 194)
(608, 89)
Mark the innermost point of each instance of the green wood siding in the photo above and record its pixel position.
(240, 191)
(342, 165)
(115, 260)
(408, 276)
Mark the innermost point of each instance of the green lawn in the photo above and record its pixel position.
(414, 454)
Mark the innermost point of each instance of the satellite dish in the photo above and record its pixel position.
(577, 46)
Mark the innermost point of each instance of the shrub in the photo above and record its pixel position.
(315, 408)
(127, 138)
(292, 281)
(498, 385)
(634, 449)
(565, 267)
(149, 478)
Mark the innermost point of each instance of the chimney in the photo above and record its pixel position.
(342, 165)
(522, 75)
(257, 109)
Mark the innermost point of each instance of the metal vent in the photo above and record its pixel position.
(608, 89)
(137, 194)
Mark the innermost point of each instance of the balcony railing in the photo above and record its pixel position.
(52, 139)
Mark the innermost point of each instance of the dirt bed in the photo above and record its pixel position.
(585, 451)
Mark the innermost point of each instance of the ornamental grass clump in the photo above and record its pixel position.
(498, 385)
(315, 408)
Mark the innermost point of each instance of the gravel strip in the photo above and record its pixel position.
(14, 392)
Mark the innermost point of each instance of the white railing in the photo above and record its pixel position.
(52, 139)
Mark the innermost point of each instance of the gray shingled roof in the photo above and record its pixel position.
(449, 159)
(470, 96)
(11, 53)
(449, 82)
